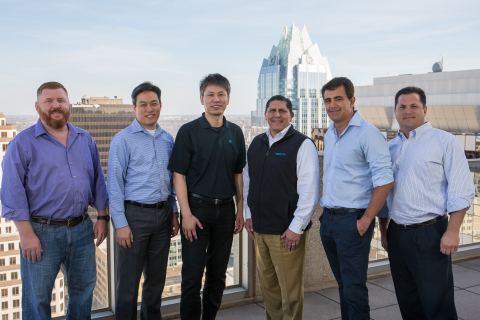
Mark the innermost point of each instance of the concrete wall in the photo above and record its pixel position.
(317, 273)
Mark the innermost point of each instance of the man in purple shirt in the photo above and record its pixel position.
(51, 174)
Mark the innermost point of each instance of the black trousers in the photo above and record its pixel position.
(422, 275)
(210, 252)
(151, 231)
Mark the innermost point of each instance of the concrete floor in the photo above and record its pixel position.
(324, 304)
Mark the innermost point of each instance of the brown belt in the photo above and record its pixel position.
(72, 222)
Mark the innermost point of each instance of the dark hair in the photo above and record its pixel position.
(280, 98)
(144, 87)
(215, 79)
(410, 90)
(337, 82)
(52, 85)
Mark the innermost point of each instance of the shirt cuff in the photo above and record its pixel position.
(16, 214)
(119, 220)
(457, 204)
(382, 179)
(297, 226)
(248, 213)
(100, 204)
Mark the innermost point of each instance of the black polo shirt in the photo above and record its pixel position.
(209, 157)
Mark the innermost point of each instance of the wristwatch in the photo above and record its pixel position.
(106, 218)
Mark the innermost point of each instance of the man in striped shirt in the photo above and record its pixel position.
(431, 177)
(143, 205)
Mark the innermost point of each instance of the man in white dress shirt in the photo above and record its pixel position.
(431, 177)
(281, 188)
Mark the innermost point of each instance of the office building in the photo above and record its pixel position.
(103, 118)
(294, 69)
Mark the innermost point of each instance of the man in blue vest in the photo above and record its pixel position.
(281, 188)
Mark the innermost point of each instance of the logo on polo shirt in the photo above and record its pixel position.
(281, 154)
(230, 141)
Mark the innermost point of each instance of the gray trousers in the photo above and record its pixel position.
(151, 230)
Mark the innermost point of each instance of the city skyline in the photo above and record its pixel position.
(108, 48)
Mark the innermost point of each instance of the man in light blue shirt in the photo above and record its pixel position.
(357, 176)
(143, 206)
(432, 177)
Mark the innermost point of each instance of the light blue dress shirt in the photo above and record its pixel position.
(354, 164)
(137, 169)
(431, 176)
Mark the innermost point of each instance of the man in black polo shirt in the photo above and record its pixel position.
(207, 161)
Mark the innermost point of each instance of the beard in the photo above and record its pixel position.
(55, 124)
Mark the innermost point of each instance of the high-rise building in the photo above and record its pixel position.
(294, 69)
(103, 118)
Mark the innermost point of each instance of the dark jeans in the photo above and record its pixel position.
(422, 275)
(151, 231)
(347, 253)
(71, 248)
(211, 251)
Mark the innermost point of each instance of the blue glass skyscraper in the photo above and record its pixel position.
(294, 69)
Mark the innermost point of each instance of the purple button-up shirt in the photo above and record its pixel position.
(43, 178)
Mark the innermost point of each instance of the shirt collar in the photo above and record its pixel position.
(417, 132)
(137, 127)
(205, 124)
(40, 129)
(279, 135)
(356, 120)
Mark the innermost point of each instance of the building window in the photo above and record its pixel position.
(2, 262)
(61, 295)
(16, 303)
(8, 229)
(15, 291)
(1, 247)
(4, 293)
(53, 296)
(11, 246)
(14, 275)
(61, 306)
(4, 305)
(14, 134)
(54, 309)
(4, 316)
(61, 283)
(3, 277)
(13, 260)
(4, 147)
(4, 134)
(16, 316)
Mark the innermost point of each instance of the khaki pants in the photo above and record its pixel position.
(281, 276)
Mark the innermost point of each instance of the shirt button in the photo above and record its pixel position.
(336, 144)
(71, 162)
(396, 209)
(329, 183)
(74, 176)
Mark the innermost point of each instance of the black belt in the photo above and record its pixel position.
(72, 222)
(212, 200)
(158, 205)
(343, 210)
(422, 224)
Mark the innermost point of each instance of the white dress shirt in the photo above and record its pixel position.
(308, 182)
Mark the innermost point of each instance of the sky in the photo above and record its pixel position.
(107, 48)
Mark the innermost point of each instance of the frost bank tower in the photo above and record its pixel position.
(294, 69)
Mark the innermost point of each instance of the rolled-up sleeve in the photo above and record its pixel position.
(116, 177)
(100, 195)
(460, 189)
(14, 197)
(377, 154)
